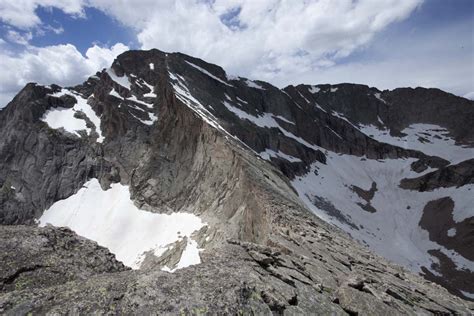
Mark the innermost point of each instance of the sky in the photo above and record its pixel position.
(381, 43)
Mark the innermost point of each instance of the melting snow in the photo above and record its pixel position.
(123, 81)
(430, 139)
(377, 95)
(190, 256)
(204, 71)
(64, 117)
(268, 153)
(307, 101)
(112, 220)
(253, 84)
(393, 229)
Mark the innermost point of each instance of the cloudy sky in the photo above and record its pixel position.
(382, 43)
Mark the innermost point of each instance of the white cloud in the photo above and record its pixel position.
(19, 38)
(281, 41)
(61, 64)
(273, 37)
(21, 13)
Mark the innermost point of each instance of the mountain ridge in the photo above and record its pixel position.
(185, 138)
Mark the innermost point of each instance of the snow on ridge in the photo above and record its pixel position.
(267, 120)
(307, 101)
(314, 89)
(377, 96)
(204, 71)
(112, 220)
(64, 117)
(430, 139)
(123, 81)
(334, 89)
(253, 84)
(392, 230)
(268, 153)
(190, 256)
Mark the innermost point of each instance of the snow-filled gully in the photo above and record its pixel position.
(112, 220)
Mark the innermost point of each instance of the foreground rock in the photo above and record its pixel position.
(304, 271)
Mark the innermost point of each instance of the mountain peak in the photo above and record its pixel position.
(181, 171)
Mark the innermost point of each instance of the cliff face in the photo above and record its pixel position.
(255, 164)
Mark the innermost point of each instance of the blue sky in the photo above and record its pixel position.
(386, 43)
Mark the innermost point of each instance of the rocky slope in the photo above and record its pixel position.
(251, 165)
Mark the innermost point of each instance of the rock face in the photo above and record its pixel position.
(256, 164)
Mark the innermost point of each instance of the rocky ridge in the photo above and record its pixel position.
(186, 137)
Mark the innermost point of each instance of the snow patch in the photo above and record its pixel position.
(123, 81)
(268, 153)
(189, 257)
(64, 117)
(204, 71)
(152, 66)
(392, 230)
(314, 89)
(452, 232)
(253, 84)
(377, 96)
(428, 138)
(112, 220)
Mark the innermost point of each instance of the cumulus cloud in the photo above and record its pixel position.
(281, 41)
(61, 64)
(260, 38)
(22, 13)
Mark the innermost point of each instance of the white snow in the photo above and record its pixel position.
(115, 94)
(134, 99)
(334, 89)
(183, 94)
(149, 122)
(319, 107)
(392, 230)
(64, 117)
(112, 220)
(467, 294)
(151, 94)
(284, 119)
(452, 232)
(436, 141)
(377, 95)
(307, 101)
(268, 153)
(342, 117)
(204, 71)
(314, 89)
(123, 81)
(380, 120)
(189, 257)
(253, 84)
(267, 120)
(152, 66)
(242, 101)
(131, 98)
